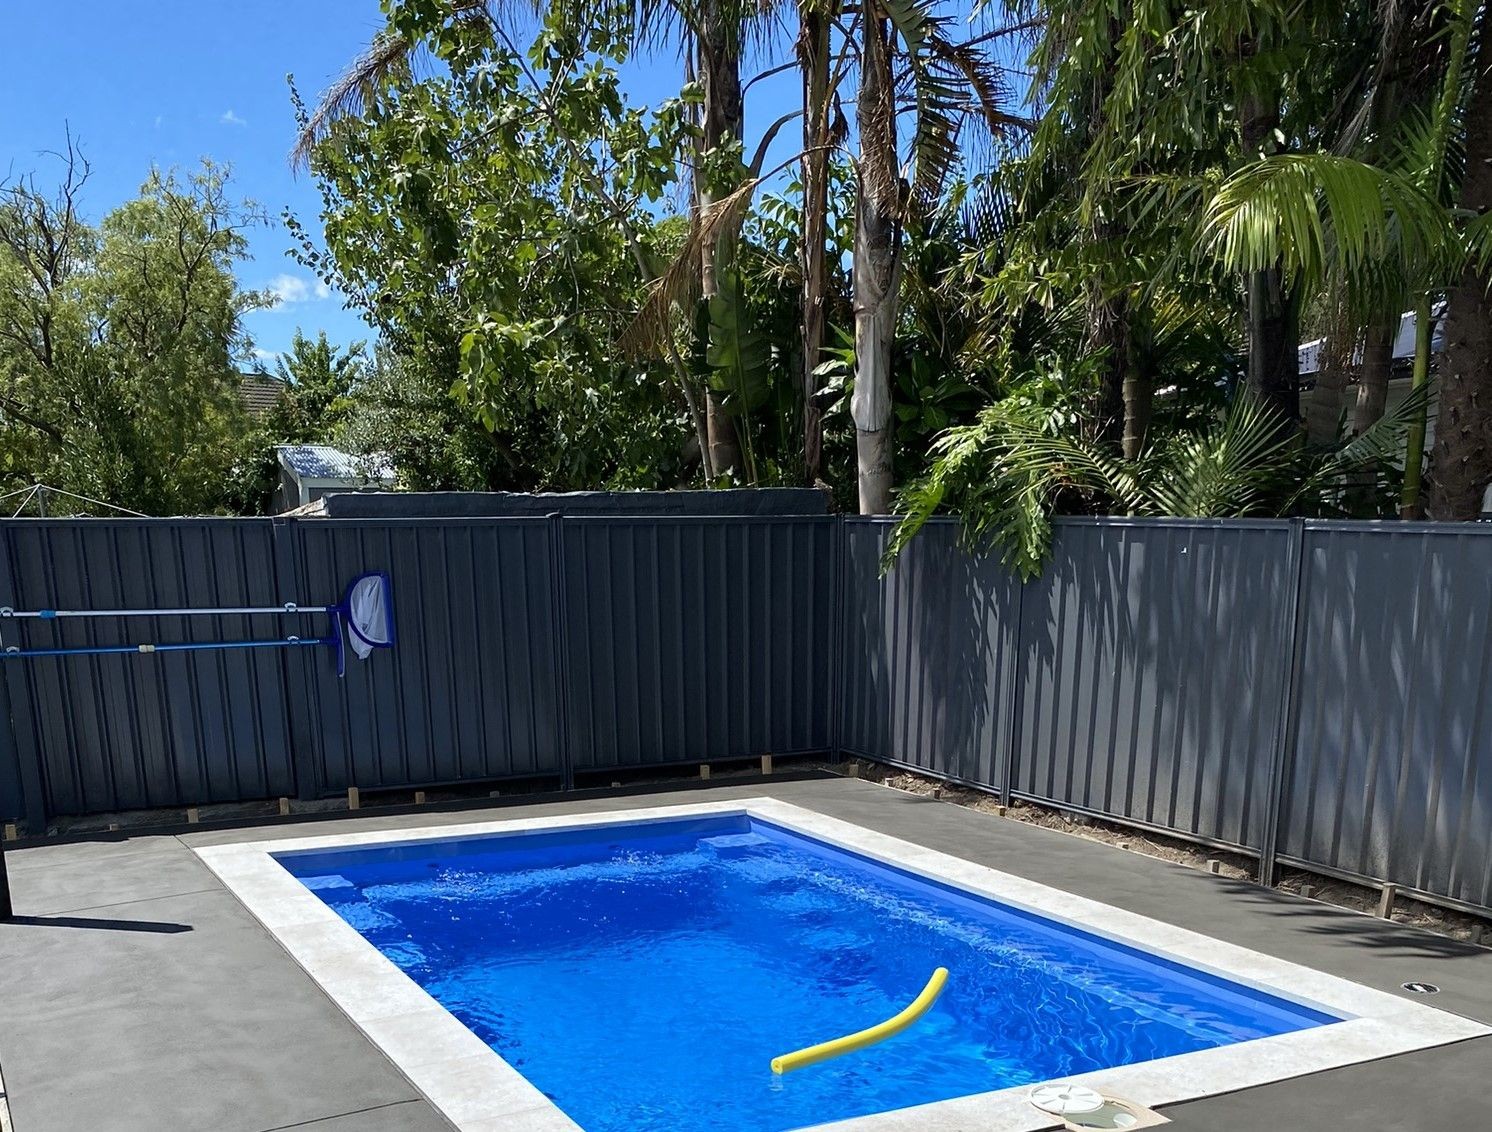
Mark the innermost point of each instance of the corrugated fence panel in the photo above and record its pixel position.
(1155, 663)
(12, 799)
(691, 639)
(928, 654)
(469, 691)
(1146, 675)
(166, 729)
(1392, 775)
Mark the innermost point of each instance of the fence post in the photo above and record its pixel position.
(1016, 699)
(839, 568)
(560, 612)
(1287, 724)
(305, 747)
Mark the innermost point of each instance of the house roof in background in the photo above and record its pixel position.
(259, 392)
(1310, 352)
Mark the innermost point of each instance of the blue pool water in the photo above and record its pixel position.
(644, 975)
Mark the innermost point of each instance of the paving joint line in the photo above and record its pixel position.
(123, 903)
(340, 1115)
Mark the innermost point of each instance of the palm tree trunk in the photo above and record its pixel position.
(1108, 337)
(1461, 462)
(719, 70)
(1273, 336)
(875, 275)
(1377, 367)
(1108, 314)
(1414, 443)
(813, 56)
(1139, 396)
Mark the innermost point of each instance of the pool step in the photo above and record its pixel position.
(326, 881)
(732, 844)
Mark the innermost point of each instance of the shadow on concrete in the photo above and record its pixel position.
(157, 927)
(1357, 928)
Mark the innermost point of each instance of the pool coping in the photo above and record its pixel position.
(478, 1091)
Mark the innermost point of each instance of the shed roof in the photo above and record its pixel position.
(323, 462)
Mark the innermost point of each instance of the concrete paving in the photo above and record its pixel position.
(137, 994)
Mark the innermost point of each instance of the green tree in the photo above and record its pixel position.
(119, 344)
(956, 86)
(321, 383)
(488, 243)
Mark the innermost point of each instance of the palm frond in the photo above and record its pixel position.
(1226, 470)
(1377, 446)
(1297, 210)
(387, 59)
(678, 287)
(952, 83)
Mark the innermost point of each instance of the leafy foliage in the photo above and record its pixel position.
(459, 214)
(320, 389)
(120, 344)
(1012, 467)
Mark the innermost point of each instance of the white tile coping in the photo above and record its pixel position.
(480, 1092)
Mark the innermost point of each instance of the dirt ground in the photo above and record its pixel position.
(1456, 925)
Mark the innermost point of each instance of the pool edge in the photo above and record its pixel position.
(479, 1092)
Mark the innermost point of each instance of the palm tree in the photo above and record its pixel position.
(1374, 225)
(815, 19)
(952, 84)
(1461, 463)
(1012, 465)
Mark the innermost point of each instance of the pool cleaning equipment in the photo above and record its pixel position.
(1082, 1109)
(1064, 1098)
(868, 1037)
(366, 610)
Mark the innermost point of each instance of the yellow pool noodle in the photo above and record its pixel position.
(862, 1038)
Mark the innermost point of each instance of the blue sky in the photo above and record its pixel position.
(164, 83)
(167, 82)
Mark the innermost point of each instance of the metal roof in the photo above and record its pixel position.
(323, 462)
(1310, 352)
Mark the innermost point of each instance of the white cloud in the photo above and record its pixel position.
(268, 357)
(231, 119)
(158, 120)
(288, 289)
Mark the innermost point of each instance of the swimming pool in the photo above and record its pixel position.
(638, 972)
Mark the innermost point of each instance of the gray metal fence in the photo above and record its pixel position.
(470, 692)
(1313, 693)
(527, 648)
(1154, 665)
(1390, 774)
(929, 655)
(98, 733)
(1318, 693)
(689, 639)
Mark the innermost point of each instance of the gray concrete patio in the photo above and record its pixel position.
(137, 994)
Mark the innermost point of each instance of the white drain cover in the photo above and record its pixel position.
(1060, 1098)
